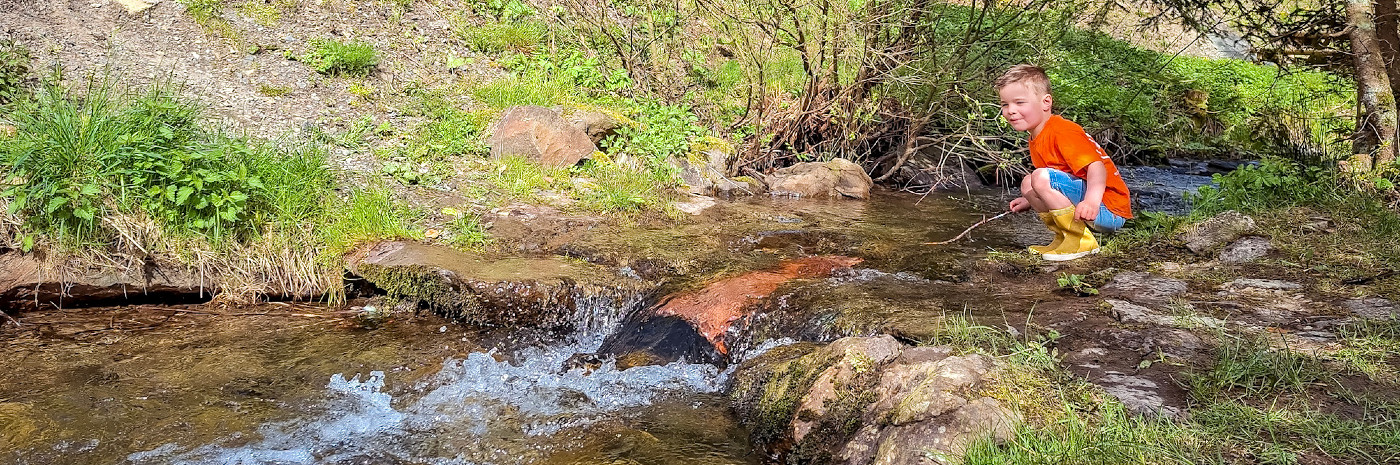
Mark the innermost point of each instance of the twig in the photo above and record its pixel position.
(969, 229)
(9, 319)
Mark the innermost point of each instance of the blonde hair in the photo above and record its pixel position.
(1031, 75)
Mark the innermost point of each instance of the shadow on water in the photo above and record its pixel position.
(297, 384)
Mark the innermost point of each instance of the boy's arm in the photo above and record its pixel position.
(1095, 179)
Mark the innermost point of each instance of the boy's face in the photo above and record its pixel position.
(1025, 109)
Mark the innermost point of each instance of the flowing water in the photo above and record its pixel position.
(298, 384)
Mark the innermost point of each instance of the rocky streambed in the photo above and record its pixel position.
(762, 330)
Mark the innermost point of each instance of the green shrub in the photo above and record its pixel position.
(503, 10)
(14, 70)
(1188, 105)
(78, 159)
(662, 132)
(1273, 183)
(336, 58)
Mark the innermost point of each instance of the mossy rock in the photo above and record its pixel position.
(532, 292)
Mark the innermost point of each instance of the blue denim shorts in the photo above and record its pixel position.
(1073, 188)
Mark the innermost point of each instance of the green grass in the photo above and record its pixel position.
(1278, 434)
(1370, 348)
(614, 188)
(522, 179)
(1248, 367)
(82, 156)
(332, 57)
(367, 215)
(468, 232)
(521, 36)
(528, 89)
(1107, 436)
(448, 129)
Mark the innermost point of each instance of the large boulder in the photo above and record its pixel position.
(539, 134)
(27, 282)
(836, 178)
(549, 293)
(868, 400)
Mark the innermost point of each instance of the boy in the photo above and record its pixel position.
(1075, 186)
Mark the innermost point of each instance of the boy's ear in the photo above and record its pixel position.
(1048, 102)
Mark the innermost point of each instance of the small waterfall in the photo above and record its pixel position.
(476, 410)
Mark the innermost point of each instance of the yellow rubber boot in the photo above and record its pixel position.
(1079, 240)
(1059, 235)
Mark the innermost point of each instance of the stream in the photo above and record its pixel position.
(298, 384)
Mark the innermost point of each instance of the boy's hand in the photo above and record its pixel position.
(1019, 204)
(1086, 211)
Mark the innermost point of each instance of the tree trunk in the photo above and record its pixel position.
(1388, 33)
(1374, 144)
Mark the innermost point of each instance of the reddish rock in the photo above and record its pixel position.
(716, 306)
(539, 134)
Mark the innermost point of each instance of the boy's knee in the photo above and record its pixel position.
(1040, 179)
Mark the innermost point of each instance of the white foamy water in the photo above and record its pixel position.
(476, 410)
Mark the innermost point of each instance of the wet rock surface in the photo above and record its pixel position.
(1144, 287)
(868, 401)
(548, 293)
(27, 283)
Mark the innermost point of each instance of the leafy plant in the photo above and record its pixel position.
(336, 58)
(77, 160)
(14, 70)
(1076, 284)
(503, 10)
(663, 131)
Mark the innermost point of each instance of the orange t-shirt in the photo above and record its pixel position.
(1065, 146)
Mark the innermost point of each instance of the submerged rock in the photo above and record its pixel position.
(868, 401)
(693, 325)
(549, 293)
(651, 339)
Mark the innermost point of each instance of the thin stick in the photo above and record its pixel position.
(9, 319)
(969, 229)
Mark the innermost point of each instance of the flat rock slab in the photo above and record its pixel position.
(1144, 288)
(1140, 395)
(1374, 308)
(1246, 249)
(27, 283)
(1264, 284)
(536, 292)
(1216, 232)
